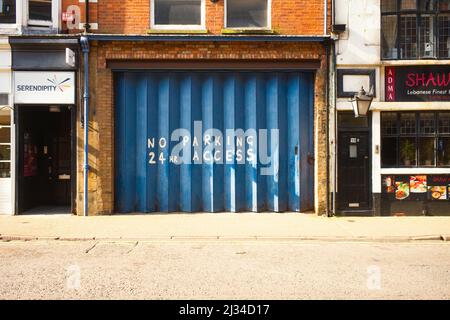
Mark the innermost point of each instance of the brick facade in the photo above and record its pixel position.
(292, 17)
(101, 123)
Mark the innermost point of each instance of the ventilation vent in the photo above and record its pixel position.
(4, 99)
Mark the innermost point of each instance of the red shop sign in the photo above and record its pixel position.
(417, 83)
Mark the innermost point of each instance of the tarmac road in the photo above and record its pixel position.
(224, 270)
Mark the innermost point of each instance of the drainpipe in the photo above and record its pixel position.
(333, 12)
(335, 133)
(331, 102)
(327, 99)
(84, 41)
(86, 9)
(327, 103)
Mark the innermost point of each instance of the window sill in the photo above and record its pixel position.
(415, 62)
(417, 167)
(168, 31)
(248, 31)
(415, 170)
(39, 23)
(8, 25)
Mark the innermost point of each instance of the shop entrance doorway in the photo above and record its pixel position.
(45, 160)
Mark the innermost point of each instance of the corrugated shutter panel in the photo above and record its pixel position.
(155, 104)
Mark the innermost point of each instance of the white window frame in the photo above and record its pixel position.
(18, 17)
(200, 26)
(269, 18)
(10, 143)
(43, 23)
(11, 180)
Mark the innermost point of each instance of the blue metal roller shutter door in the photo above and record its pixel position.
(151, 106)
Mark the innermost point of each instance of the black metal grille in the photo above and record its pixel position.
(413, 29)
(444, 36)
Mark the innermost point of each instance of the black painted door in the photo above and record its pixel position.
(354, 171)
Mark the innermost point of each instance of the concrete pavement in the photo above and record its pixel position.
(224, 270)
(226, 226)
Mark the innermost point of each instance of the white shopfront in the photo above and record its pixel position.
(31, 89)
(6, 131)
(407, 161)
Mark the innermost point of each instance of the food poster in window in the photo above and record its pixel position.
(418, 184)
(417, 188)
(439, 187)
(401, 184)
(388, 184)
(403, 187)
(396, 187)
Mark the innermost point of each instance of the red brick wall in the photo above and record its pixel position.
(296, 17)
(304, 17)
(124, 16)
(206, 50)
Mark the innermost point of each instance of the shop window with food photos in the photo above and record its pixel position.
(389, 141)
(443, 142)
(407, 139)
(415, 139)
(426, 140)
(415, 29)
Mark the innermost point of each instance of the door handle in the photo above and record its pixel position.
(310, 159)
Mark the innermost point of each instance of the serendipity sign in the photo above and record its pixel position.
(33, 87)
(418, 83)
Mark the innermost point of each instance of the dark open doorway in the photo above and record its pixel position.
(45, 159)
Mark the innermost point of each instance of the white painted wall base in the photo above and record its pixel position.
(6, 196)
(7, 184)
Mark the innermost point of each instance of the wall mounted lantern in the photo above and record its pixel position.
(361, 103)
